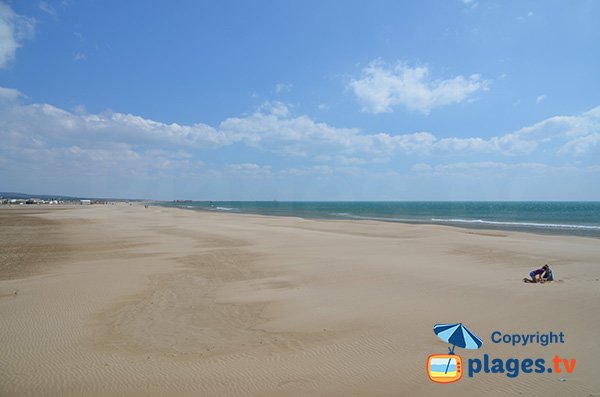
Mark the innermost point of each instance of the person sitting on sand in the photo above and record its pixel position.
(547, 276)
(537, 275)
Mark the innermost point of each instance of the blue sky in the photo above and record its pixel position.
(305, 100)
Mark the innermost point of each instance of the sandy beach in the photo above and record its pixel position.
(123, 300)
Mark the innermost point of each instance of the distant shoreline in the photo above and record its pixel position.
(552, 225)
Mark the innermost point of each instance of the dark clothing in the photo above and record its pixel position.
(539, 271)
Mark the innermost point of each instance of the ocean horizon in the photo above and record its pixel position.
(579, 218)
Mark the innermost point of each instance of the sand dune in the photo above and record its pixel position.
(123, 300)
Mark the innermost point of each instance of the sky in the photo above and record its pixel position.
(301, 100)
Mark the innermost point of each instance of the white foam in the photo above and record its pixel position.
(516, 224)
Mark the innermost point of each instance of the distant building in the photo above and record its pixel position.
(85, 202)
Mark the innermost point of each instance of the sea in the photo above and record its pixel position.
(562, 218)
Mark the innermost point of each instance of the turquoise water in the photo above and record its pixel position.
(568, 218)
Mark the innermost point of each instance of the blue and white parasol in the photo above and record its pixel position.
(457, 335)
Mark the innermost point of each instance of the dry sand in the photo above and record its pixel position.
(122, 300)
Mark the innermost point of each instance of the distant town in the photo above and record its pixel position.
(33, 199)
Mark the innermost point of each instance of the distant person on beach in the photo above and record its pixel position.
(540, 275)
(547, 276)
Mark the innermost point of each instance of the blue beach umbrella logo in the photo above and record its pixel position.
(448, 368)
(457, 335)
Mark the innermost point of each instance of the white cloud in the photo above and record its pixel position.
(463, 145)
(470, 3)
(14, 28)
(79, 109)
(576, 135)
(38, 139)
(51, 124)
(42, 135)
(87, 161)
(79, 56)
(47, 8)
(273, 128)
(282, 87)
(10, 94)
(582, 145)
(593, 168)
(248, 169)
(488, 165)
(381, 88)
(315, 170)
(477, 167)
(540, 98)
(351, 161)
(422, 167)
